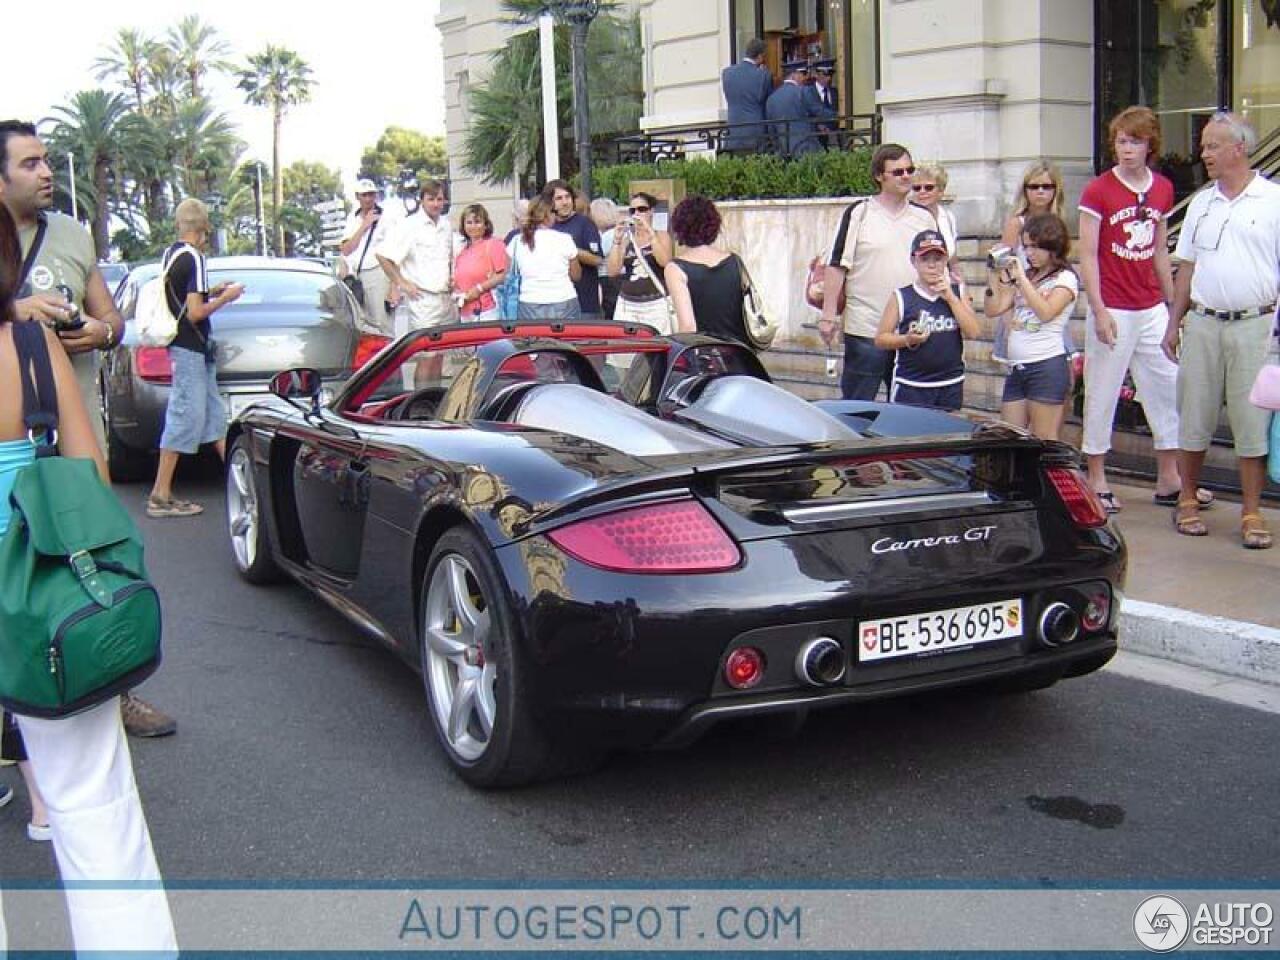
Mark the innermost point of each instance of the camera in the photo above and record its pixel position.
(999, 257)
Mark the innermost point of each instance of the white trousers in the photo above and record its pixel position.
(83, 768)
(1139, 334)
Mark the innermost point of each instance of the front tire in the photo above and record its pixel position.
(250, 546)
(473, 671)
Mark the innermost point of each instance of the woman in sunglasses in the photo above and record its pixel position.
(638, 256)
(1040, 192)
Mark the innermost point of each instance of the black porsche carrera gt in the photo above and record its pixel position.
(589, 535)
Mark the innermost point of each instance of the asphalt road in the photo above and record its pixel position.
(305, 754)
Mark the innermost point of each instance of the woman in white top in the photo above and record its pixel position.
(928, 187)
(1041, 296)
(547, 262)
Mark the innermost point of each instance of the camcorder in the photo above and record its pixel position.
(999, 257)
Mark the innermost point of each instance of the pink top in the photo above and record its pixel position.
(477, 262)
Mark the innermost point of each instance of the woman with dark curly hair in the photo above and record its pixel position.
(706, 283)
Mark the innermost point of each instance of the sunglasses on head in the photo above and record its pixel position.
(638, 209)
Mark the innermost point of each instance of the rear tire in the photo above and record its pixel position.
(250, 545)
(475, 677)
(126, 464)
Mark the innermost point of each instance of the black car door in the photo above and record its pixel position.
(331, 488)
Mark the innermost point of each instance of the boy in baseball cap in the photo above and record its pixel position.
(925, 324)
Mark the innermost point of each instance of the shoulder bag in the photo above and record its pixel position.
(760, 325)
(507, 293)
(815, 282)
(352, 280)
(79, 619)
(658, 284)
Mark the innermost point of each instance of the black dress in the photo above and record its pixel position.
(716, 293)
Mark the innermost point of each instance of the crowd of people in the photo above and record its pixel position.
(1193, 339)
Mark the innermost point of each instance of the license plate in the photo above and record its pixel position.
(939, 630)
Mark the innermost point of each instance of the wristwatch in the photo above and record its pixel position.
(111, 337)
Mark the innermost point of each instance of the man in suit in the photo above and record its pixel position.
(747, 86)
(821, 96)
(792, 113)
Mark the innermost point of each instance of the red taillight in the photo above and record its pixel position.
(679, 537)
(153, 364)
(1096, 612)
(367, 348)
(744, 668)
(1078, 497)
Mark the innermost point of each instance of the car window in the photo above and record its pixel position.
(265, 289)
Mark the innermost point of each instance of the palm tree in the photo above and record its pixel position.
(126, 60)
(504, 140)
(277, 78)
(206, 145)
(90, 128)
(197, 50)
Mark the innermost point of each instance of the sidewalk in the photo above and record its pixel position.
(1203, 601)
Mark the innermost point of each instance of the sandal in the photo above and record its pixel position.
(1109, 501)
(1254, 534)
(1186, 519)
(172, 508)
(1204, 498)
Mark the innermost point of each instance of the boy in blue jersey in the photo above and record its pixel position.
(926, 323)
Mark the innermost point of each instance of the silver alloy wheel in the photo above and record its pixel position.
(242, 508)
(456, 625)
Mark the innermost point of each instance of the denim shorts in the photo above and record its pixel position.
(195, 413)
(1045, 381)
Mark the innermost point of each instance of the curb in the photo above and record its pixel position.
(1233, 647)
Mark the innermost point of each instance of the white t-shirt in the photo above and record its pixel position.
(1032, 340)
(1235, 245)
(877, 258)
(544, 270)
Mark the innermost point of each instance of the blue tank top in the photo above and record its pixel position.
(939, 361)
(14, 455)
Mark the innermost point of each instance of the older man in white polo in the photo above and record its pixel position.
(1224, 307)
(365, 230)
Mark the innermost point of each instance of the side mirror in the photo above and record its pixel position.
(296, 383)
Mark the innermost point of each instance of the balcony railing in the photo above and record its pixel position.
(784, 138)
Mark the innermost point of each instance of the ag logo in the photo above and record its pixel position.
(1161, 924)
(41, 277)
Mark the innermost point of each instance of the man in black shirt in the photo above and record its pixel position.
(560, 195)
(194, 414)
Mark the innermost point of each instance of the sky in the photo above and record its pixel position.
(374, 64)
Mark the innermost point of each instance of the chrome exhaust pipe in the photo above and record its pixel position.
(821, 662)
(1059, 624)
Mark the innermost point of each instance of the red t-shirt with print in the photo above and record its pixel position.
(1127, 237)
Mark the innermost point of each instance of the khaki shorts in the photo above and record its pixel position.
(1219, 361)
(431, 310)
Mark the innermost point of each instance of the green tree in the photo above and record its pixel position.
(126, 61)
(206, 145)
(197, 50)
(276, 78)
(504, 141)
(306, 184)
(89, 127)
(399, 149)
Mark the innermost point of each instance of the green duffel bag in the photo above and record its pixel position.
(79, 619)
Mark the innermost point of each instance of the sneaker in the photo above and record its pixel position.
(6, 794)
(39, 832)
(143, 720)
(172, 507)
